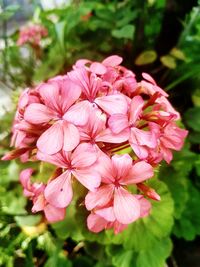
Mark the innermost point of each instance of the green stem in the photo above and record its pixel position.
(182, 78)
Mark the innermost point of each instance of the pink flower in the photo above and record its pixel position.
(78, 164)
(31, 34)
(58, 112)
(169, 137)
(95, 130)
(139, 140)
(35, 192)
(116, 174)
(104, 218)
(150, 87)
(93, 90)
(79, 122)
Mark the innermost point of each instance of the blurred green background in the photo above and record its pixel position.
(156, 36)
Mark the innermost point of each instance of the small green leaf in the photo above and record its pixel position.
(146, 57)
(177, 53)
(168, 61)
(126, 32)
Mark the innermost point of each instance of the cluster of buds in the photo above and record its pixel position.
(32, 34)
(99, 125)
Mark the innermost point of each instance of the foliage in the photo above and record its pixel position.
(94, 29)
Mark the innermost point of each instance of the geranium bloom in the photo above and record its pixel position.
(104, 218)
(35, 192)
(32, 34)
(139, 139)
(80, 123)
(57, 110)
(169, 137)
(116, 173)
(78, 164)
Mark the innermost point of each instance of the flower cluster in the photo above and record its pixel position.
(100, 126)
(31, 34)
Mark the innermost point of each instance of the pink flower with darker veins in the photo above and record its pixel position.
(76, 164)
(117, 173)
(58, 112)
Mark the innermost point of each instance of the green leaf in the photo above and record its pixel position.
(154, 227)
(69, 226)
(58, 259)
(9, 11)
(146, 57)
(178, 186)
(188, 226)
(126, 32)
(29, 220)
(177, 53)
(192, 118)
(156, 256)
(168, 61)
(123, 258)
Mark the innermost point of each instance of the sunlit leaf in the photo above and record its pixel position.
(146, 57)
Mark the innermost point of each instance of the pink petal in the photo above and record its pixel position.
(143, 138)
(82, 62)
(84, 156)
(137, 104)
(140, 151)
(100, 197)
(50, 94)
(59, 191)
(70, 92)
(51, 141)
(56, 159)
(112, 104)
(25, 176)
(54, 214)
(39, 203)
(103, 166)
(122, 165)
(166, 153)
(80, 77)
(145, 206)
(88, 178)
(37, 113)
(126, 206)
(106, 213)
(112, 61)
(96, 223)
(147, 77)
(71, 136)
(140, 172)
(119, 227)
(98, 68)
(108, 136)
(118, 122)
(78, 113)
